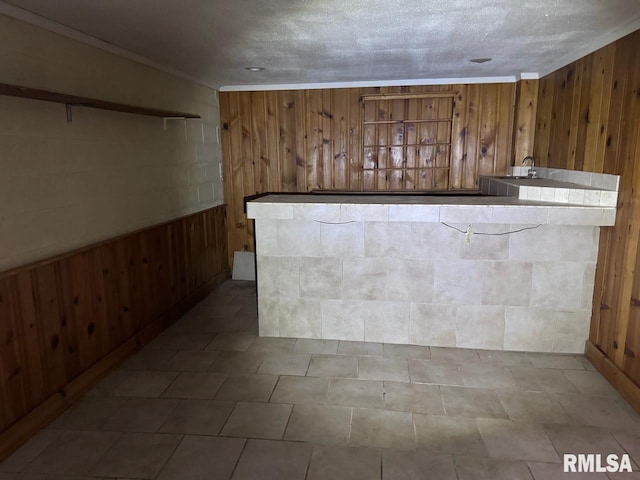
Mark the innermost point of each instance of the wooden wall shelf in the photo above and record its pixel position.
(76, 101)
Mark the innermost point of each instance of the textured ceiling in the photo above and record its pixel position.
(317, 41)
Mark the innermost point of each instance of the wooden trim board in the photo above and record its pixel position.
(623, 384)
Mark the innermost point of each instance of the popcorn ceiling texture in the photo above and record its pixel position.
(65, 185)
(334, 40)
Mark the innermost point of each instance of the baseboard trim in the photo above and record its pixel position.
(616, 377)
(18, 433)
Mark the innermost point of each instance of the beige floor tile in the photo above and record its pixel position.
(272, 345)
(190, 361)
(144, 384)
(590, 383)
(382, 368)
(586, 363)
(474, 468)
(559, 394)
(428, 371)
(554, 471)
(106, 386)
(406, 351)
(319, 424)
(451, 435)
(137, 455)
(507, 359)
(487, 376)
(183, 341)
(215, 311)
(344, 366)
(472, 402)
(285, 363)
(257, 420)
(237, 362)
(33, 447)
(381, 428)
(301, 390)
(237, 324)
(398, 465)
(88, 413)
(141, 415)
(29, 476)
(542, 380)
(355, 393)
(251, 388)
(554, 360)
(73, 453)
(409, 397)
(314, 346)
(516, 440)
(344, 463)
(454, 355)
(631, 443)
(539, 407)
(272, 460)
(202, 385)
(231, 341)
(203, 458)
(598, 411)
(360, 348)
(581, 439)
(624, 476)
(198, 417)
(148, 359)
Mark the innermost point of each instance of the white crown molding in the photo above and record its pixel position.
(368, 83)
(590, 47)
(55, 27)
(528, 76)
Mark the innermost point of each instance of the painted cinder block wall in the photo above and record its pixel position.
(66, 185)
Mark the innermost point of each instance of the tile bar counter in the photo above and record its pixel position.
(454, 271)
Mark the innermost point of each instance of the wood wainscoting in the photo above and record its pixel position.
(297, 141)
(589, 119)
(66, 321)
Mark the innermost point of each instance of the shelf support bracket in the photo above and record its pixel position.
(166, 119)
(69, 113)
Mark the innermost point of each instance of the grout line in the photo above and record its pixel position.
(244, 446)
(171, 456)
(288, 420)
(226, 420)
(275, 385)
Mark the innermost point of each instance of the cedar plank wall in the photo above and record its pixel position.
(589, 119)
(61, 316)
(296, 141)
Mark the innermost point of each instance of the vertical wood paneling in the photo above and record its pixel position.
(593, 124)
(287, 141)
(526, 98)
(473, 142)
(297, 141)
(13, 392)
(62, 316)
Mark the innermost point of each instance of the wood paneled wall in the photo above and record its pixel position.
(60, 317)
(525, 119)
(296, 141)
(589, 119)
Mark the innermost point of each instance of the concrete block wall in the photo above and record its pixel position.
(65, 185)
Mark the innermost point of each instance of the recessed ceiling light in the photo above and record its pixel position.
(480, 60)
(254, 69)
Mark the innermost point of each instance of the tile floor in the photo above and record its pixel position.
(208, 399)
